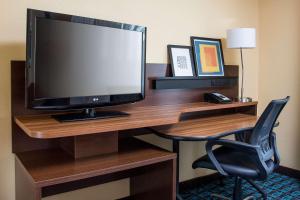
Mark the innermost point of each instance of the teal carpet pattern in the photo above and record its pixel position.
(277, 186)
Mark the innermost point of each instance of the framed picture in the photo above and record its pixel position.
(208, 56)
(181, 60)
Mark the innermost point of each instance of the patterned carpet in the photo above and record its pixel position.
(277, 186)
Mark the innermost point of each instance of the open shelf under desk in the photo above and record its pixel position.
(45, 127)
(207, 127)
(49, 167)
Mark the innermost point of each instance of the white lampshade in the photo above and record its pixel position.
(241, 38)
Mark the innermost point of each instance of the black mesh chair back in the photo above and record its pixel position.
(262, 132)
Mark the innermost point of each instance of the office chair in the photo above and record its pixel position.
(252, 156)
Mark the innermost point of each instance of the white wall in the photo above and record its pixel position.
(279, 71)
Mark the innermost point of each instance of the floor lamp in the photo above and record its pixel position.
(241, 38)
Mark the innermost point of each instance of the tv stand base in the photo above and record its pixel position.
(82, 146)
(88, 114)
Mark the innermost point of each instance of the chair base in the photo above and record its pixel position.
(237, 192)
(218, 196)
(178, 197)
(260, 190)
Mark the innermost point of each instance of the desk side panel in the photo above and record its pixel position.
(158, 183)
(20, 141)
(25, 189)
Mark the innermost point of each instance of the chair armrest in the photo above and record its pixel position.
(238, 145)
(254, 150)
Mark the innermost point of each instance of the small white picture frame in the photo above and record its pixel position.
(181, 61)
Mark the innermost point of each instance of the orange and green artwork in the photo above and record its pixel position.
(208, 56)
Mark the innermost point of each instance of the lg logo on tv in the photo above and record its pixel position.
(95, 99)
(102, 99)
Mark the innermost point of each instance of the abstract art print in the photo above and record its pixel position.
(181, 60)
(208, 56)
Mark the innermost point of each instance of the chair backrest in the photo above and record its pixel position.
(262, 131)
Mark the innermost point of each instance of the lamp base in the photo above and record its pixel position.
(244, 99)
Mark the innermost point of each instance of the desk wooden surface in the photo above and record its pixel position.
(44, 126)
(205, 106)
(207, 128)
(35, 135)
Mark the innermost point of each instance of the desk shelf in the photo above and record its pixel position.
(44, 170)
(206, 106)
(194, 82)
(207, 127)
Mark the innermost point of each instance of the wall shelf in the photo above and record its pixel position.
(194, 82)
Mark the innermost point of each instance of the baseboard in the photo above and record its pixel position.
(294, 173)
(126, 198)
(191, 183)
(215, 176)
(199, 180)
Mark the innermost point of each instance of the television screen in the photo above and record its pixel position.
(81, 62)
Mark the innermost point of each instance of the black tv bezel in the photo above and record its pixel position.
(82, 102)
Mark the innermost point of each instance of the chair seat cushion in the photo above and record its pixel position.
(234, 162)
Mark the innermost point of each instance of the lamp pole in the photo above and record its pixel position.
(241, 38)
(242, 87)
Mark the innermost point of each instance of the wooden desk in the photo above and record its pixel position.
(47, 173)
(43, 168)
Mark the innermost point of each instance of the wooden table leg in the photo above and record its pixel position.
(25, 189)
(154, 182)
(176, 150)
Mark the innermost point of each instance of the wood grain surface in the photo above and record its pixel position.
(44, 126)
(207, 127)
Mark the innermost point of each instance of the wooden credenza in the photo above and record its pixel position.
(54, 157)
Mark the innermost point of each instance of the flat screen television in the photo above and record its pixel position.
(76, 62)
